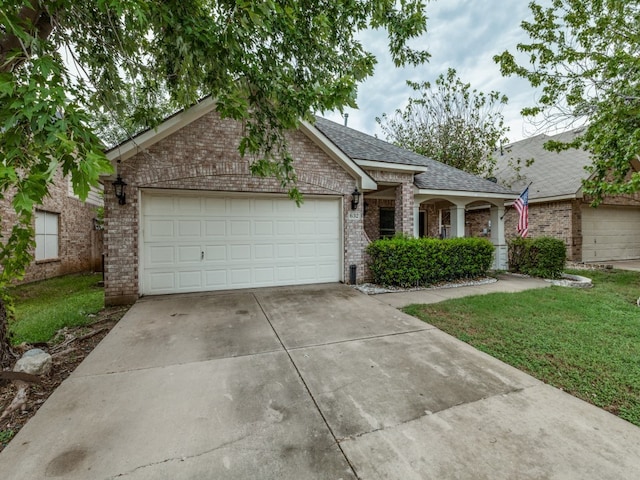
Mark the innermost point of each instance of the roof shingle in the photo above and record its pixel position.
(360, 146)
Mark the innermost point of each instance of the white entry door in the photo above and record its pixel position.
(193, 243)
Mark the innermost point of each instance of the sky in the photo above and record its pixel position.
(464, 35)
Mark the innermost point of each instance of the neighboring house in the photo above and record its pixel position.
(557, 206)
(65, 232)
(195, 219)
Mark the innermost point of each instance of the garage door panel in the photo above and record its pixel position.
(162, 281)
(263, 252)
(215, 253)
(215, 206)
(240, 207)
(610, 233)
(189, 254)
(187, 205)
(189, 280)
(285, 227)
(160, 255)
(159, 230)
(189, 229)
(215, 228)
(215, 279)
(263, 227)
(237, 242)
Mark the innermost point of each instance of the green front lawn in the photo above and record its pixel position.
(586, 342)
(43, 308)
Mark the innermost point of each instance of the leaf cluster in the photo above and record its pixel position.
(584, 55)
(412, 262)
(543, 257)
(451, 123)
(68, 65)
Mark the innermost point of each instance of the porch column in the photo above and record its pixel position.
(404, 209)
(416, 219)
(500, 260)
(457, 221)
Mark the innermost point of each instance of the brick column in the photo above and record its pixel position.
(404, 209)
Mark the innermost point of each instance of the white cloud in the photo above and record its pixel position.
(462, 34)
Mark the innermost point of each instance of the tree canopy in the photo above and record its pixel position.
(584, 55)
(451, 123)
(269, 64)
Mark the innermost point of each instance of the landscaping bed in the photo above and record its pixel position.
(70, 308)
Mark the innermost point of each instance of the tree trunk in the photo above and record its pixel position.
(6, 354)
(34, 20)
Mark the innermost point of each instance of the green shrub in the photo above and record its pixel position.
(540, 257)
(409, 262)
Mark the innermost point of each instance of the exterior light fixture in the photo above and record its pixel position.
(355, 199)
(118, 187)
(97, 224)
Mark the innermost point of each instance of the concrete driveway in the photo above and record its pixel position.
(312, 382)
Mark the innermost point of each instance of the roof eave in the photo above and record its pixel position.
(328, 147)
(147, 139)
(391, 167)
(466, 194)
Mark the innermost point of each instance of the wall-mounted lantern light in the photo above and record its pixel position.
(355, 199)
(118, 187)
(97, 224)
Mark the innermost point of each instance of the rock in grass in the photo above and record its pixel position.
(34, 362)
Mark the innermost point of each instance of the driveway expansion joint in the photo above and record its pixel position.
(429, 413)
(313, 399)
(369, 337)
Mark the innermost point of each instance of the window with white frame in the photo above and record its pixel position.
(46, 235)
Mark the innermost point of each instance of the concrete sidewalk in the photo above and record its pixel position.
(506, 283)
(310, 382)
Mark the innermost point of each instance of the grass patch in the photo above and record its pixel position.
(43, 308)
(586, 342)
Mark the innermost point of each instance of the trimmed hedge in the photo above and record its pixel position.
(410, 262)
(543, 257)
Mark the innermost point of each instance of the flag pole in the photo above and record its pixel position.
(511, 206)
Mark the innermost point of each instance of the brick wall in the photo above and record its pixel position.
(204, 156)
(562, 220)
(79, 245)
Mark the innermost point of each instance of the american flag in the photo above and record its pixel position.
(522, 206)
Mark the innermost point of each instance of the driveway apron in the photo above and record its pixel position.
(309, 382)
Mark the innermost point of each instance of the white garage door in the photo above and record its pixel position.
(203, 243)
(610, 233)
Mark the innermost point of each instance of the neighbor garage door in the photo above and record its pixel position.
(202, 243)
(610, 233)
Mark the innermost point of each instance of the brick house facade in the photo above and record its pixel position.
(77, 245)
(194, 155)
(559, 209)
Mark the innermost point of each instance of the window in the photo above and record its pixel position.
(387, 222)
(46, 235)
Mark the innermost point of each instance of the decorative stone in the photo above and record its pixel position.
(34, 362)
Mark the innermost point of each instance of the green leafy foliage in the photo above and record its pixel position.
(543, 257)
(268, 64)
(411, 262)
(450, 123)
(68, 64)
(584, 55)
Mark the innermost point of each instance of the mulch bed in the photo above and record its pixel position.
(68, 349)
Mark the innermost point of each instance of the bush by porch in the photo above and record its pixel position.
(411, 262)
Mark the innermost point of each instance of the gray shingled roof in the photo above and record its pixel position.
(553, 174)
(360, 146)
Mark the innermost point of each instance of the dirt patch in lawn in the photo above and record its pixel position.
(68, 349)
